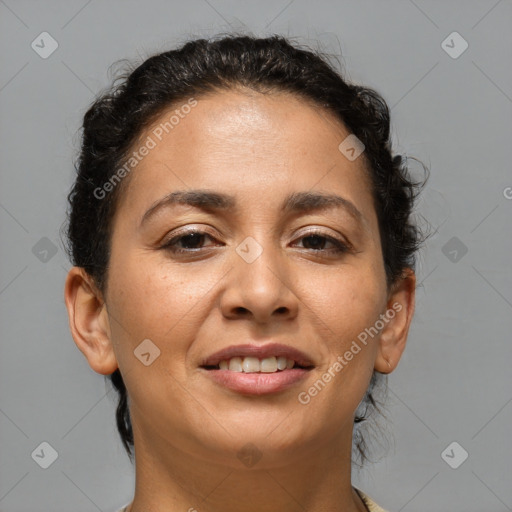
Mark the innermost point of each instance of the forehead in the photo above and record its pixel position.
(245, 143)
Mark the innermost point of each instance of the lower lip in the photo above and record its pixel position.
(258, 383)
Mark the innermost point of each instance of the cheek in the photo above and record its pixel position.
(351, 306)
(350, 301)
(149, 300)
(342, 304)
(156, 300)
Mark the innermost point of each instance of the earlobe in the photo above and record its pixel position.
(88, 321)
(399, 313)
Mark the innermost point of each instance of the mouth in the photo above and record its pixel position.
(257, 370)
(251, 364)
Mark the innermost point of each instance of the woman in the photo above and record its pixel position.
(243, 272)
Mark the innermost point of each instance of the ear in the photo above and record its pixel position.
(88, 321)
(397, 319)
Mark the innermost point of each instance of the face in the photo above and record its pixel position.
(263, 265)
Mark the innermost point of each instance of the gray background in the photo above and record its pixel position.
(453, 382)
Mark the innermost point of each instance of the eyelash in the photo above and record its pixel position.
(340, 247)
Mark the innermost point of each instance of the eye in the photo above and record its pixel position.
(191, 239)
(316, 241)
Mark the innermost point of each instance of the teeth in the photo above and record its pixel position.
(282, 363)
(235, 364)
(253, 364)
(268, 365)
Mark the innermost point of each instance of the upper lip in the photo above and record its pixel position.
(259, 351)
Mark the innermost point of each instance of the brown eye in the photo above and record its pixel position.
(316, 241)
(187, 242)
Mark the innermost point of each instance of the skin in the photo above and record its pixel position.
(187, 429)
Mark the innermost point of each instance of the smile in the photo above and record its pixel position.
(255, 365)
(252, 376)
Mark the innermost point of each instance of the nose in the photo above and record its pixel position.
(261, 290)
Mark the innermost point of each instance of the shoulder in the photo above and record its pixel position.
(372, 506)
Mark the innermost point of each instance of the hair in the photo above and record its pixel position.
(118, 117)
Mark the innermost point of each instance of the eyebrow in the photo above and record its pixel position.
(296, 202)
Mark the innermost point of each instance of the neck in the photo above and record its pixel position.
(319, 478)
